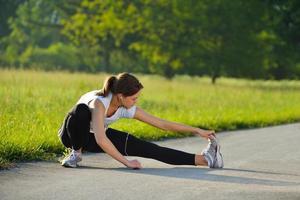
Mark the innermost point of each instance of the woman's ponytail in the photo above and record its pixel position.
(109, 86)
(124, 83)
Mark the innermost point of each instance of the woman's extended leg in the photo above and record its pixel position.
(132, 146)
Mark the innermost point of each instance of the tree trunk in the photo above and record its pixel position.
(215, 75)
(214, 79)
(169, 72)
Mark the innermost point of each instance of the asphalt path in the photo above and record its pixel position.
(259, 164)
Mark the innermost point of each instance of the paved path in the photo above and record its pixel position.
(259, 164)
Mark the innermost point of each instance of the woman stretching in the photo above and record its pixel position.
(85, 128)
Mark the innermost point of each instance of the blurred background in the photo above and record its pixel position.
(257, 39)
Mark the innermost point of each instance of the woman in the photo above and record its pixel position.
(86, 128)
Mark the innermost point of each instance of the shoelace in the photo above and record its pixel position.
(72, 156)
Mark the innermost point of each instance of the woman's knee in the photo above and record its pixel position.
(82, 112)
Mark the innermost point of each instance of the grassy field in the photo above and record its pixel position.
(33, 105)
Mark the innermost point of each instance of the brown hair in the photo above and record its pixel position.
(124, 83)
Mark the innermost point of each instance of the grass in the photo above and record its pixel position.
(33, 105)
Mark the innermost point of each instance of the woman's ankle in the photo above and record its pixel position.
(200, 160)
(77, 152)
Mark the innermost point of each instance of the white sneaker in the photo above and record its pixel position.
(213, 155)
(209, 153)
(71, 160)
(219, 162)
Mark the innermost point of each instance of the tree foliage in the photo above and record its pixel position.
(252, 39)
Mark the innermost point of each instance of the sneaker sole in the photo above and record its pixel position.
(219, 158)
(65, 164)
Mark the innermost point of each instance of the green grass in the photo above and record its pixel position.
(33, 105)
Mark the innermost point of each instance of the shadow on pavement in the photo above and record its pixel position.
(241, 176)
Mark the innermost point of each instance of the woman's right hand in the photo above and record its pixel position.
(134, 164)
(208, 134)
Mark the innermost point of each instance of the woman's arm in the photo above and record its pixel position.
(143, 116)
(98, 113)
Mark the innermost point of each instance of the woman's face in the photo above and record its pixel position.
(130, 101)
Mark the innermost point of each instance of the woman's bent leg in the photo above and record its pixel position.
(132, 146)
(78, 126)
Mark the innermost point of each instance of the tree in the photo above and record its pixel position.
(229, 41)
(104, 25)
(284, 25)
(36, 26)
(8, 10)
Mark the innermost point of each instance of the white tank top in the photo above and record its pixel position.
(122, 112)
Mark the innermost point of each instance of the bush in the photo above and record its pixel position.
(56, 56)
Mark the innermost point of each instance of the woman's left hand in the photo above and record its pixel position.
(208, 134)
